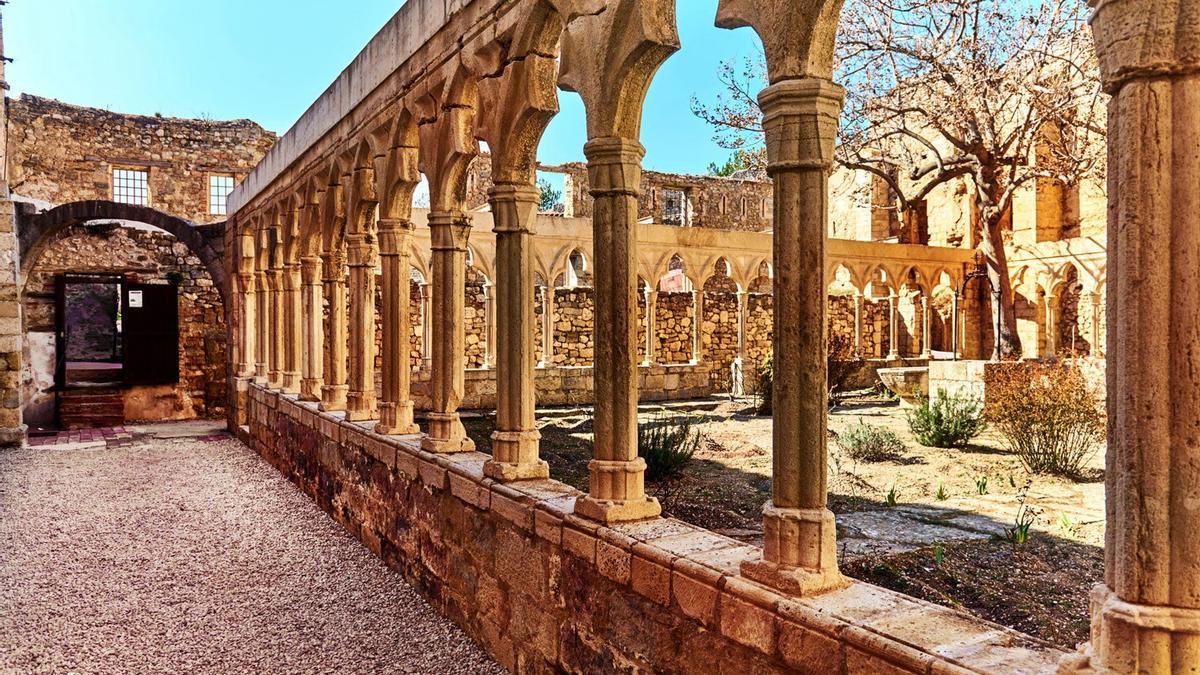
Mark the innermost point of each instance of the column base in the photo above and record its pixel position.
(446, 435)
(609, 511)
(521, 446)
(14, 437)
(799, 552)
(310, 389)
(333, 397)
(360, 407)
(291, 383)
(396, 419)
(1133, 638)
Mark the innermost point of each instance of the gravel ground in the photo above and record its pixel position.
(194, 555)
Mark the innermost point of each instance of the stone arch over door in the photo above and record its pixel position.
(34, 230)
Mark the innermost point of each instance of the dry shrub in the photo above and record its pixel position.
(1049, 415)
(841, 364)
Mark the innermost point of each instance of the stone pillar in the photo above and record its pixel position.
(489, 325)
(926, 327)
(293, 325)
(277, 330)
(1051, 328)
(360, 400)
(1146, 615)
(955, 337)
(616, 473)
(262, 300)
(548, 326)
(396, 406)
(516, 439)
(800, 117)
(312, 311)
(249, 328)
(449, 232)
(335, 389)
(426, 328)
(743, 304)
(893, 352)
(858, 324)
(698, 325)
(651, 327)
(1097, 351)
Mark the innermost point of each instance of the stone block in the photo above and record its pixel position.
(747, 623)
(651, 580)
(613, 561)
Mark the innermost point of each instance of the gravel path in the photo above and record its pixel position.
(194, 555)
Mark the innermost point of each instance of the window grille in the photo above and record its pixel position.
(131, 186)
(219, 188)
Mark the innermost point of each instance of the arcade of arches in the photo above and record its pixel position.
(326, 261)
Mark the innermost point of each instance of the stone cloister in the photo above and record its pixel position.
(547, 578)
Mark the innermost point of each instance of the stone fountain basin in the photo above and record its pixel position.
(907, 383)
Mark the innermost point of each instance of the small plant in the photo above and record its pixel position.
(868, 443)
(1018, 534)
(981, 485)
(1067, 524)
(949, 422)
(667, 446)
(1049, 415)
(942, 495)
(1012, 482)
(889, 500)
(939, 555)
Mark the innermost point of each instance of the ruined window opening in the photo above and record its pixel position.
(675, 208)
(131, 186)
(219, 187)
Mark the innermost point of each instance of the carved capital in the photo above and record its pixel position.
(395, 242)
(1139, 39)
(515, 208)
(614, 166)
(310, 270)
(800, 118)
(798, 35)
(449, 231)
(360, 251)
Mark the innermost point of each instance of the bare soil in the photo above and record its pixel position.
(1040, 588)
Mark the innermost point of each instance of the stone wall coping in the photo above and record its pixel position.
(677, 564)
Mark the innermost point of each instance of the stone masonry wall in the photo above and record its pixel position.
(146, 256)
(62, 153)
(545, 591)
(573, 325)
(673, 317)
(719, 336)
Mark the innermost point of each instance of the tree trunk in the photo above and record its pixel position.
(1003, 312)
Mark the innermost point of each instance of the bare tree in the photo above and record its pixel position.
(992, 94)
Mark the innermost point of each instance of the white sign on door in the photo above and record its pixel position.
(135, 298)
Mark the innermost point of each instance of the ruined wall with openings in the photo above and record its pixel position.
(673, 327)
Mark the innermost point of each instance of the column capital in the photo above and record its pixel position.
(394, 224)
(449, 230)
(515, 207)
(310, 269)
(800, 118)
(1145, 39)
(360, 251)
(614, 166)
(395, 242)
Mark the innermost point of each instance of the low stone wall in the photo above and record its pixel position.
(545, 591)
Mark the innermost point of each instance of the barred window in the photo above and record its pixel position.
(219, 187)
(131, 186)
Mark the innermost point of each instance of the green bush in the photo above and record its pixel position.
(868, 443)
(667, 446)
(949, 422)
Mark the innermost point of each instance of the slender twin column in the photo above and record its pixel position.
(926, 328)
(277, 332)
(858, 324)
(249, 300)
(548, 325)
(334, 390)
(1146, 615)
(515, 441)
(1051, 328)
(617, 474)
(292, 328)
(360, 401)
(449, 232)
(312, 309)
(698, 325)
(651, 328)
(396, 406)
(743, 301)
(262, 300)
(799, 553)
(955, 334)
(893, 328)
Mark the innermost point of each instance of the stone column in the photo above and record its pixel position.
(1146, 615)
(335, 389)
(1051, 328)
(449, 232)
(743, 304)
(858, 324)
(360, 400)
(426, 327)
(293, 327)
(926, 328)
(698, 325)
(651, 327)
(616, 473)
(489, 325)
(262, 299)
(800, 117)
(312, 310)
(516, 439)
(278, 329)
(548, 326)
(893, 328)
(954, 332)
(396, 406)
(1097, 352)
(249, 327)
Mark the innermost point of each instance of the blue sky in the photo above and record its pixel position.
(269, 59)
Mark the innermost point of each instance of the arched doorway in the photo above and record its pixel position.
(123, 316)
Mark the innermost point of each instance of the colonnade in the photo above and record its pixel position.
(1147, 613)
